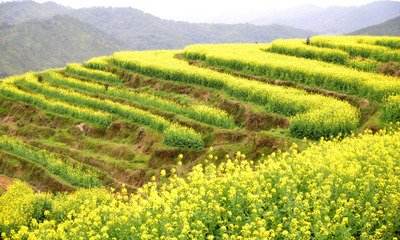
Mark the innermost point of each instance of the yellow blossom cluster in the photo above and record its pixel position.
(338, 189)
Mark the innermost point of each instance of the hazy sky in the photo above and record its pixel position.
(205, 10)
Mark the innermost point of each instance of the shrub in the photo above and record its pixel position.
(391, 109)
(183, 137)
(390, 68)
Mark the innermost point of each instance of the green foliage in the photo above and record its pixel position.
(391, 110)
(75, 176)
(183, 137)
(99, 63)
(332, 190)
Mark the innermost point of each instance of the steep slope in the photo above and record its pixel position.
(334, 19)
(144, 31)
(50, 43)
(17, 12)
(391, 28)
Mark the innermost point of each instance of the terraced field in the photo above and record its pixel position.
(117, 120)
(282, 140)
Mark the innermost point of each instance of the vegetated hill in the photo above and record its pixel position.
(333, 20)
(21, 11)
(389, 28)
(49, 43)
(144, 31)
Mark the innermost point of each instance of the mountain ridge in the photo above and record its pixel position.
(334, 20)
(124, 28)
(176, 34)
(53, 42)
(390, 27)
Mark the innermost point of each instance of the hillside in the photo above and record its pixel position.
(119, 119)
(333, 20)
(388, 28)
(150, 32)
(12, 13)
(282, 140)
(41, 30)
(297, 195)
(42, 44)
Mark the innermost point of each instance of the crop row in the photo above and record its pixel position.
(299, 48)
(346, 189)
(251, 59)
(77, 70)
(8, 89)
(201, 113)
(312, 115)
(391, 110)
(99, 63)
(129, 113)
(385, 41)
(76, 176)
(361, 49)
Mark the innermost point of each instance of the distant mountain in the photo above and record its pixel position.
(37, 36)
(22, 11)
(52, 42)
(144, 31)
(390, 28)
(333, 20)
